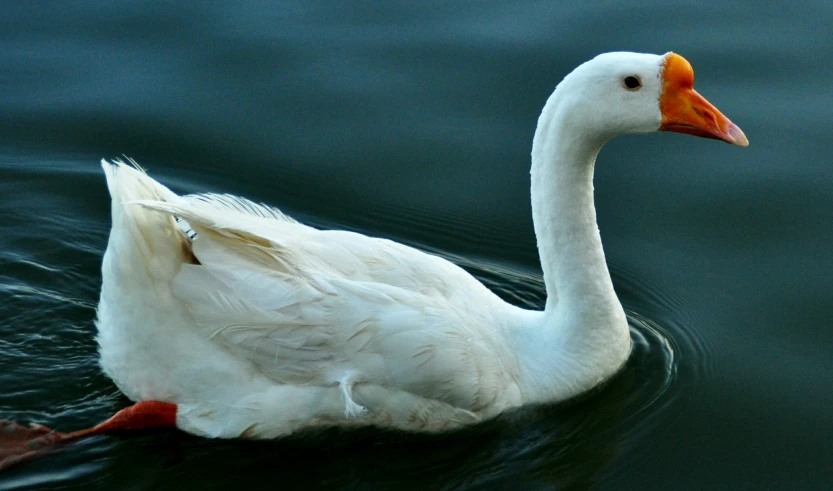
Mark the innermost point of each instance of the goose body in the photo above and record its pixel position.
(255, 325)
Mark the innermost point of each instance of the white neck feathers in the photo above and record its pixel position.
(582, 336)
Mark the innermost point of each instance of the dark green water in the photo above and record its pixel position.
(413, 121)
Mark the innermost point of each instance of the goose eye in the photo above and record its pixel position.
(632, 83)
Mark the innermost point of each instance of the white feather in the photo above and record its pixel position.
(256, 325)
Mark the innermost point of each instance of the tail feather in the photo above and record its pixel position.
(142, 239)
(129, 182)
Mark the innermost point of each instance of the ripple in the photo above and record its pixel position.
(654, 359)
(649, 304)
(48, 363)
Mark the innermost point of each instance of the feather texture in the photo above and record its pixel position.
(332, 311)
(255, 325)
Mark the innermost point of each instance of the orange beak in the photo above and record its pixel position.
(686, 111)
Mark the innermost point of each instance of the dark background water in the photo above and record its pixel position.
(414, 120)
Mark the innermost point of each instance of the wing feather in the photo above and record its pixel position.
(314, 307)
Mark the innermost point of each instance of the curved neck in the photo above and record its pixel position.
(564, 215)
(582, 336)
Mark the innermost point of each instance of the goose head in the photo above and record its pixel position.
(619, 93)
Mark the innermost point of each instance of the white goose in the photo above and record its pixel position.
(259, 326)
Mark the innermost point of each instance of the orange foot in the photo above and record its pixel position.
(19, 443)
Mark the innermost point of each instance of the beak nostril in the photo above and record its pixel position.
(698, 111)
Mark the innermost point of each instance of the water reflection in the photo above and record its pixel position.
(49, 372)
(563, 446)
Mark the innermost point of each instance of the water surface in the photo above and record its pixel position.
(414, 122)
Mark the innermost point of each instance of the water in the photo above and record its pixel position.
(413, 121)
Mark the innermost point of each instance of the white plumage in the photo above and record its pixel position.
(255, 325)
(276, 310)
